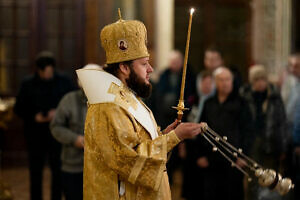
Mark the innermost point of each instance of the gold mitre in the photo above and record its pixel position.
(124, 40)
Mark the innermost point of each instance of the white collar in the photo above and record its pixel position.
(102, 87)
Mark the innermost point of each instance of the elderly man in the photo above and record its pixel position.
(229, 115)
(125, 153)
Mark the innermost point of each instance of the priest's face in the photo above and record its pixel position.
(139, 78)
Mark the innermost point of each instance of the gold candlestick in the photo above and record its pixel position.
(180, 107)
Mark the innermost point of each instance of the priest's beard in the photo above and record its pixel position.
(138, 85)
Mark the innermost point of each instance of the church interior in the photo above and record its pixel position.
(247, 32)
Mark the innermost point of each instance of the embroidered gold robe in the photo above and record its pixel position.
(125, 154)
(118, 150)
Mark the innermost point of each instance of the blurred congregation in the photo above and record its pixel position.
(243, 80)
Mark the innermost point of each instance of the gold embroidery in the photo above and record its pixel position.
(159, 176)
(109, 156)
(123, 96)
(136, 169)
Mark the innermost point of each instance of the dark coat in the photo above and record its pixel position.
(271, 136)
(231, 118)
(37, 95)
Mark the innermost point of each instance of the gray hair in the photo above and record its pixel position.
(220, 70)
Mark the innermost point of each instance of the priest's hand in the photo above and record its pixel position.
(171, 127)
(189, 130)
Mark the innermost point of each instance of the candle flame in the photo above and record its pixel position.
(192, 11)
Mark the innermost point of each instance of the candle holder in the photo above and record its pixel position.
(180, 107)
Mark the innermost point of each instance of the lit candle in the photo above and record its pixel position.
(180, 106)
(186, 55)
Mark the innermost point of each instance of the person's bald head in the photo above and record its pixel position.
(175, 60)
(224, 80)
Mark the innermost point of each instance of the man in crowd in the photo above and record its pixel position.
(269, 146)
(212, 59)
(36, 103)
(228, 115)
(125, 153)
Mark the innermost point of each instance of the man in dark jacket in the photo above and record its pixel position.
(229, 116)
(36, 103)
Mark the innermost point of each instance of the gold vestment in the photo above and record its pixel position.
(119, 150)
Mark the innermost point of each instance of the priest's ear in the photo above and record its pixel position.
(125, 68)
